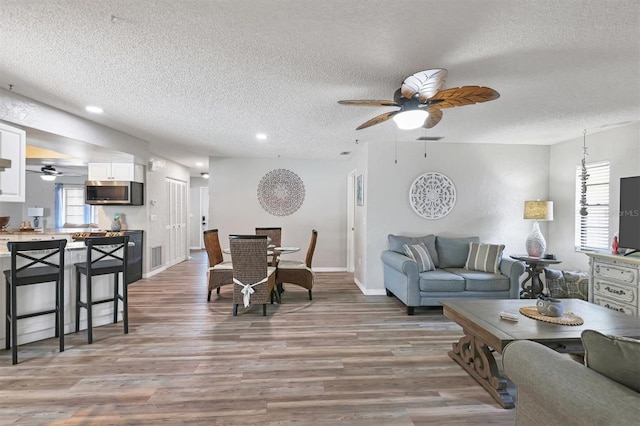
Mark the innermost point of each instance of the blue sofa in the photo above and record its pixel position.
(450, 279)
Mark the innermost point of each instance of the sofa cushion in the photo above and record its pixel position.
(397, 242)
(420, 255)
(617, 358)
(567, 284)
(481, 281)
(439, 280)
(484, 257)
(453, 252)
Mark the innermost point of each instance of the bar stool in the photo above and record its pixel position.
(35, 269)
(103, 259)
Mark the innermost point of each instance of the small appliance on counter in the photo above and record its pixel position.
(4, 222)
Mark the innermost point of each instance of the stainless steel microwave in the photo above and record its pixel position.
(116, 192)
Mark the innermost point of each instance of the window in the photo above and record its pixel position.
(592, 230)
(70, 206)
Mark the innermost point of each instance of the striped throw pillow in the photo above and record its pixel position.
(484, 257)
(420, 255)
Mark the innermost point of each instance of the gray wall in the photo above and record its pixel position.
(234, 207)
(492, 182)
(621, 147)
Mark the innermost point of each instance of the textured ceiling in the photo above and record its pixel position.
(200, 78)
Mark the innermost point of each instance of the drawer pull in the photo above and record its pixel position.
(613, 308)
(615, 291)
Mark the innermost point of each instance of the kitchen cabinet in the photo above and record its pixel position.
(13, 145)
(116, 171)
(134, 253)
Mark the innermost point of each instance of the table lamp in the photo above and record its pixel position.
(36, 212)
(537, 210)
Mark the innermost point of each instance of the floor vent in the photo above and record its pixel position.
(156, 257)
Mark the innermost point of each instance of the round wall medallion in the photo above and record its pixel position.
(432, 195)
(281, 192)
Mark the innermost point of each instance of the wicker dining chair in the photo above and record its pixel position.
(220, 272)
(274, 233)
(299, 273)
(254, 281)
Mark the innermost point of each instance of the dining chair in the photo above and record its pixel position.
(34, 262)
(105, 256)
(299, 273)
(274, 233)
(220, 272)
(254, 281)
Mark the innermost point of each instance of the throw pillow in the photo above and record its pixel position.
(577, 284)
(484, 257)
(453, 252)
(617, 358)
(420, 255)
(397, 242)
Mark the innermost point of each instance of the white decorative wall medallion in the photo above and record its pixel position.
(281, 192)
(432, 195)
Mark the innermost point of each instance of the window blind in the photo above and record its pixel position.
(592, 230)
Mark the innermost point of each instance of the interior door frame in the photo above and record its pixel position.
(351, 220)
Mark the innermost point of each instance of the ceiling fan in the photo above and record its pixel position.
(421, 100)
(49, 172)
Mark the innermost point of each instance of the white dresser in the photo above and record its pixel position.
(614, 282)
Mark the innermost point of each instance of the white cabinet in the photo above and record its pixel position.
(614, 282)
(116, 171)
(12, 180)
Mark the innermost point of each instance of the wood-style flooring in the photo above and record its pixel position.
(343, 358)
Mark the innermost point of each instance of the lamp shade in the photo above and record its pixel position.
(412, 119)
(538, 210)
(35, 211)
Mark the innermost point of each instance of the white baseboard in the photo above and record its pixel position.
(369, 292)
(329, 269)
(154, 272)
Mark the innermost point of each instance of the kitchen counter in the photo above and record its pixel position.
(33, 297)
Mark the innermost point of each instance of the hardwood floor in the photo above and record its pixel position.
(343, 358)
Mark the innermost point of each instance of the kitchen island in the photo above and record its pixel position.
(42, 296)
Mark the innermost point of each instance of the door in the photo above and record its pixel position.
(177, 221)
(351, 220)
(198, 216)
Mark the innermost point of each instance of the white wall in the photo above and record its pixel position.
(621, 147)
(492, 182)
(234, 207)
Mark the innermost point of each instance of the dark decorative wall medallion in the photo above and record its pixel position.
(281, 192)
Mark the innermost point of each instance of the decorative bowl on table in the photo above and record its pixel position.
(4, 222)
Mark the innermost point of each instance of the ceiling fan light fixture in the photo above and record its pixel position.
(407, 120)
(48, 177)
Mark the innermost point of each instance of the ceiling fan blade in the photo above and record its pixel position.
(426, 83)
(466, 95)
(377, 120)
(369, 103)
(435, 115)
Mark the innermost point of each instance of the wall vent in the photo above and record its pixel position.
(156, 257)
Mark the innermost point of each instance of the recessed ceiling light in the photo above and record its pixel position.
(199, 164)
(94, 109)
(261, 136)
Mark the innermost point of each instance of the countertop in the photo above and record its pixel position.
(55, 231)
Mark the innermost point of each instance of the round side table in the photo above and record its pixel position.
(532, 286)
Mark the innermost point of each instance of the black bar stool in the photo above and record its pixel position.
(35, 269)
(105, 255)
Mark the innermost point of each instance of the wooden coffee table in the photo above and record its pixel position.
(485, 332)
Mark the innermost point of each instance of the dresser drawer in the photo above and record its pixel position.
(621, 273)
(615, 306)
(617, 292)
